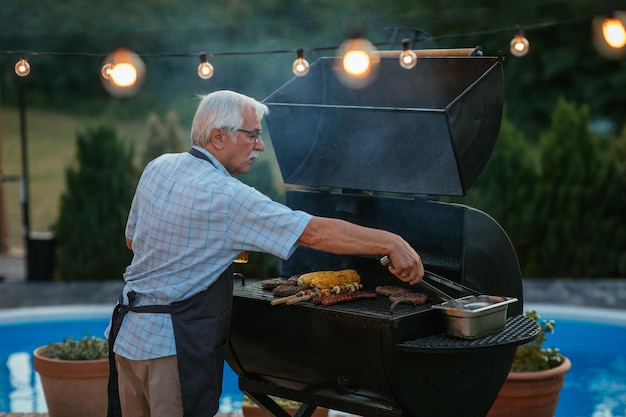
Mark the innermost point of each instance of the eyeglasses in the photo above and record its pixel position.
(255, 132)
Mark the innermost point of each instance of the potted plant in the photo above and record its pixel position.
(251, 409)
(537, 375)
(74, 376)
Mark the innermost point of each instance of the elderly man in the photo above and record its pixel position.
(188, 221)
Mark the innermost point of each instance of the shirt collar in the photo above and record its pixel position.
(213, 159)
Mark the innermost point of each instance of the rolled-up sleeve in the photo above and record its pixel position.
(260, 224)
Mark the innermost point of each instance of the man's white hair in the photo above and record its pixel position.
(221, 109)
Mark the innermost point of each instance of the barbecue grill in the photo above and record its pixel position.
(381, 156)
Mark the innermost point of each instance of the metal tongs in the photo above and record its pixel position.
(385, 261)
(450, 284)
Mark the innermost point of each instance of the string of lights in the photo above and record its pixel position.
(123, 70)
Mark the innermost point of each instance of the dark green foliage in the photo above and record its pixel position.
(94, 208)
(562, 201)
(505, 189)
(571, 200)
(616, 192)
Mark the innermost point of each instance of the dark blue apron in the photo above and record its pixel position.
(201, 324)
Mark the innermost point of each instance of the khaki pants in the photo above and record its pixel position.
(149, 388)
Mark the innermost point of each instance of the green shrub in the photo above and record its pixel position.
(532, 356)
(90, 229)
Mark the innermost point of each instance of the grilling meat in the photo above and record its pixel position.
(270, 284)
(414, 297)
(343, 297)
(389, 290)
(293, 280)
(286, 290)
(401, 294)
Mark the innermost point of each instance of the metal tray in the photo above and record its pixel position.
(480, 316)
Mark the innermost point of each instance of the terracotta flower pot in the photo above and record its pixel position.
(526, 394)
(254, 411)
(73, 388)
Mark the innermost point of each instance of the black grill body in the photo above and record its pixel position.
(380, 157)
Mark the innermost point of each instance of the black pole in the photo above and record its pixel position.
(24, 183)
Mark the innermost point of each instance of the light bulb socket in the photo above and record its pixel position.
(106, 70)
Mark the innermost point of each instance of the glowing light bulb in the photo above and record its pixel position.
(613, 32)
(22, 68)
(357, 63)
(519, 44)
(408, 58)
(609, 35)
(300, 66)
(122, 73)
(205, 69)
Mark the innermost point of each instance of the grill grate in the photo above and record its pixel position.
(378, 307)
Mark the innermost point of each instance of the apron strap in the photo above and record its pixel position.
(115, 407)
(200, 155)
(120, 310)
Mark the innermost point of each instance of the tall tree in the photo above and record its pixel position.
(576, 219)
(94, 208)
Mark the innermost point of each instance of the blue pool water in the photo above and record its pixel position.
(20, 334)
(593, 339)
(595, 342)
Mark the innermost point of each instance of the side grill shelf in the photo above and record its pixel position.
(518, 330)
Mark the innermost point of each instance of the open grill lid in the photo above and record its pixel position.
(429, 130)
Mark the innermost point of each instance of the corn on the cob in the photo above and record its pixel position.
(328, 279)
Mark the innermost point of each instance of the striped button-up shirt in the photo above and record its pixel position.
(188, 221)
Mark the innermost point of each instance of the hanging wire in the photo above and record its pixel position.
(312, 50)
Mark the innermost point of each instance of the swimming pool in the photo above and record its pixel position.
(593, 339)
(23, 330)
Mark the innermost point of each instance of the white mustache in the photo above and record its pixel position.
(253, 155)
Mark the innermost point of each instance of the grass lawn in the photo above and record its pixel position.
(51, 139)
